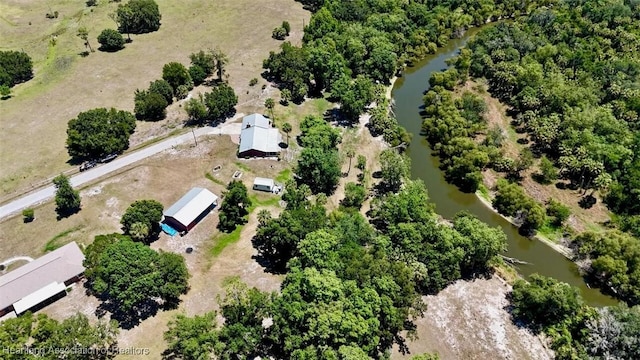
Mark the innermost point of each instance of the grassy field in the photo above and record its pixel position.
(33, 122)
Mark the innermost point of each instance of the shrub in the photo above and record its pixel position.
(150, 106)
(163, 88)
(110, 40)
(354, 195)
(182, 91)
(279, 33)
(559, 212)
(548, 173)
(176, 74)
(198, 74)
(28, 215)
(361, 162)
(287, 27)
(253, 82)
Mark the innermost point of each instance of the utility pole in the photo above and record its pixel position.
(194, 136)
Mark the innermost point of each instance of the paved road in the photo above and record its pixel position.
(47, 193)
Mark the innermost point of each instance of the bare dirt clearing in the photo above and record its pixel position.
(33, 122)
(468, 320)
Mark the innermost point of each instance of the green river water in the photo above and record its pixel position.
(407, 94)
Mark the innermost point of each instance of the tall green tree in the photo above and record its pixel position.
(110, 40)
(176, 74)
(41, 332)
(138, 17)
(220, 102)
(235, 206)
(145, 212)
(543, 301)
(129, 275)
(67, 199)
(221, 61)
(99, 132)
(191, 338)
(394, 168)
(15, 67)
(320, 169)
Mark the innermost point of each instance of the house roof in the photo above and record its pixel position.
(256, 120)
(57, 266)
(263, 182)
(191, 205)
(38, 296)
(262, 139)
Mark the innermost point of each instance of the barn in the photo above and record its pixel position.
(190, 209)
(41, 281)
(258, 138)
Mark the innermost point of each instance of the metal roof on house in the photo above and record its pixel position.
(57, 266)
(262, 139)
(263, 182)
(191, 205)
(38, 296)
(256, 120)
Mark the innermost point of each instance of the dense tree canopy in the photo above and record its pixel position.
(190, 338)
(142, 219)
(317, 133)
(110, 40)
(543, 301)
(575, 95)
(221, 102)
(15, 67)
(43, 333)
(614, 259)
(99, 132)
(150, 105)
(176, 75)
(235, 206)
(319, 168)
(129, 275)
(138, 17)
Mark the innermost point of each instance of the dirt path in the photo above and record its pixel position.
(468, 320)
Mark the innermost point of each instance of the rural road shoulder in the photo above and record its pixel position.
(48, 192)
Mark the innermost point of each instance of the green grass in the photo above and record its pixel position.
(212, 178)
(551, 232)
(284, 175)
(243, 167)
(483, 192)
(53, 243)
(222, 240)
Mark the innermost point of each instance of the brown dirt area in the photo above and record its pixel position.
(33, 122)
(581, 219)
(468, 320)
(156, 178)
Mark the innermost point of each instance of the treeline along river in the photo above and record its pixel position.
(407, 95)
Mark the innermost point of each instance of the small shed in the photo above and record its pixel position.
(190, 209)
(264, 184)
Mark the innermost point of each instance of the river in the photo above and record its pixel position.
(407, 94)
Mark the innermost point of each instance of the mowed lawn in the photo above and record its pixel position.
(33, 122)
